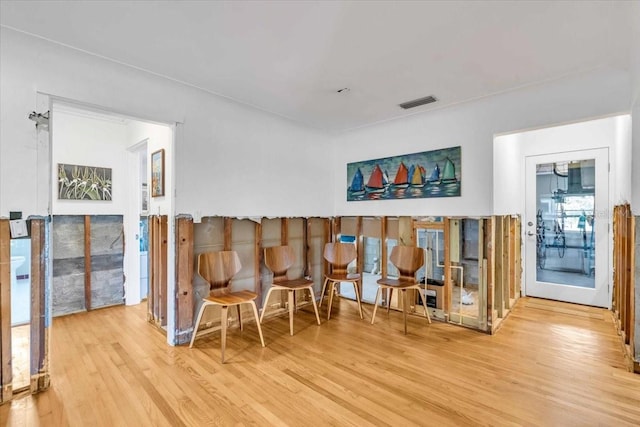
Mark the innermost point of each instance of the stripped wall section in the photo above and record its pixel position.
(107, 253)
(106, 284)
(68, 264)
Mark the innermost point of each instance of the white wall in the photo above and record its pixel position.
(511, 150)
(473, 126)
(86, 141)
(158, 137)
(229, 159)
(635, 90)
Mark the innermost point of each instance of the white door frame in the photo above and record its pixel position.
(600, 295)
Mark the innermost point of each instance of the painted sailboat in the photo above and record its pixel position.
(402, 177)
(357, 184)
(434, 178)
(385, 178)
(376, 181)
(448, 173)
(417, 176)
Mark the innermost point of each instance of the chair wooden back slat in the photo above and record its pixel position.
(218, 268)
(279, 259)
(407, 259)
(339, 255)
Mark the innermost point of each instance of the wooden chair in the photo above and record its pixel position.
(218, 268)
(407, 259)
(339, 255)
(278, 259)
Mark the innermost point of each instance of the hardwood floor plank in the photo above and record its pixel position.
(550, 364)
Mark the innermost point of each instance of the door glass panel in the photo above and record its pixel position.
(565, 233)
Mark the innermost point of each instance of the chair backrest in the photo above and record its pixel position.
(278, 259)
(218, 268)
(339, 255)
(407, 259)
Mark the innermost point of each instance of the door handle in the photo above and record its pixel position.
(530, 233)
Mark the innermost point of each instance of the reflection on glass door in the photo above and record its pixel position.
(566, 226)
(565, 211)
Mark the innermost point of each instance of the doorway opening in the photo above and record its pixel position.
(96, 269)
(563, 181)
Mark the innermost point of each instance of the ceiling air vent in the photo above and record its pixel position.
(418, 102)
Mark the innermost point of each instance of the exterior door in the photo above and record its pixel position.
(566, 227)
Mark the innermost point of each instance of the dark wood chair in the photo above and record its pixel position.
(339, 255)
(218, 268)
(407, 259)
(279, 259)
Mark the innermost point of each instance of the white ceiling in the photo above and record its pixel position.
(290, 58)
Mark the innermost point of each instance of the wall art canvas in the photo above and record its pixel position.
(157, 173)
(427, 174)
(76, 182)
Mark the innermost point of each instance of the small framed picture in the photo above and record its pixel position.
(157, 173)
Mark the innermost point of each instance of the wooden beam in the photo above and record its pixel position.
(284, 231)
(87, 262)
(38, 369)
(499, 277)
(184, 279)
(383, 248)
(506, 263)
(446, 306)
(489, 242)
(164, 246)
(257, 253)
(6, 374)
(327, 238)
(336, 227)
(360, 250)
(228, 238)
(306, 253)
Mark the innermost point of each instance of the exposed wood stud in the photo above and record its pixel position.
(284, 231)
(6, 374)
(228, 226)
(360, 259)
(38, 368)
(447, 267)
(163, 269)
(87, 262)
(184, 279)
(306, 245)
(258, 262)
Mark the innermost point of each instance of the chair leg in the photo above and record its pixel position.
(389, 295)
(313, 301)
(324, 288)
(375, 304)
(239, 317)
(290, 296)
(424, 303)
(332, 285)
(265, 305)
(223, 329)
(195, 329)
(255, 314)
(355, 288)
(404, 309)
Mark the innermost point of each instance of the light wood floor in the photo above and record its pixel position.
(20, 356)
(551, 364)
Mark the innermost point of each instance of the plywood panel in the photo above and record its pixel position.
(106, 258)
(68, 262)
(38, 367)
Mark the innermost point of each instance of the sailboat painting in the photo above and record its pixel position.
(435, 173)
